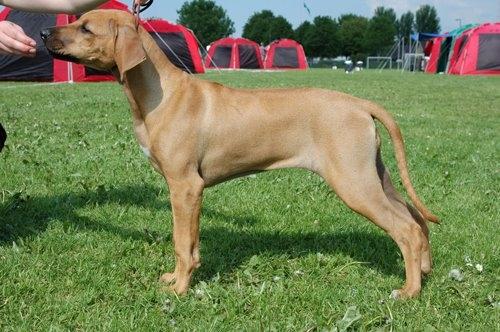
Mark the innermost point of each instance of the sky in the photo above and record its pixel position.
(468, 11)
(449, 11)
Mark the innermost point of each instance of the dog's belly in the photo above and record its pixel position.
(223, 171)
(257, 149)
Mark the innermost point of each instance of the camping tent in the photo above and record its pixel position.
(455, 34)
(234, 53)
(285, 54)
(433, 51)
(45, 68)
(476, 51)
(441, 49)
(178, 43)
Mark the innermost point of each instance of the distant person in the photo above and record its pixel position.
(263, 51)
(349, 66)
(14, 41)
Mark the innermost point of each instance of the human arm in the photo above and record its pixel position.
(13, 40)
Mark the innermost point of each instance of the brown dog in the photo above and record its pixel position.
(198, 134)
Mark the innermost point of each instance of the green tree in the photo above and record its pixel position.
(258, 26)
(346, 17)
(280, 28)
(301, 31)
(208, 20)
(405, 25)
(264, 27)
(322, 38)
(427, 20)
(379, 37)
(352, 31)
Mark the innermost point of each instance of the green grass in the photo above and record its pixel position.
(85, 223)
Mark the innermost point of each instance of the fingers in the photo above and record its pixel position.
(16, 32)
(13, 40)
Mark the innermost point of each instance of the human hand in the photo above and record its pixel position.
(13, 40)
(141, 2)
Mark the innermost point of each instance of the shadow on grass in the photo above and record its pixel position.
(223, 249)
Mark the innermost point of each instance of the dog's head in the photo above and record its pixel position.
(100, 39)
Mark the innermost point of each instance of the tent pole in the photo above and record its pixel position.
(403, 56)
(399, 48)
(70, 64)
(70, 72)
(415, 56)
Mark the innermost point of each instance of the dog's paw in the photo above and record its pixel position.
(168, 278)
(402, 294)
(179, 288)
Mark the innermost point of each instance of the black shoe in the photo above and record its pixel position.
(3, 137)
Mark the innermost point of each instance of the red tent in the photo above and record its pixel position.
(477, 51)
(178, 43)
(433, 49)
(45, 68)
(286, 54)
(234, 53)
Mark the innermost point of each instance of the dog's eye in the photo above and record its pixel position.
(84, 29)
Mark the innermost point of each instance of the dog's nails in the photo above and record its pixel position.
(395, 294)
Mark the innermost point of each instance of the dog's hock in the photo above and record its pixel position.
(129, 52)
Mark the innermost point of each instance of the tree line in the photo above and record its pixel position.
(326, 37)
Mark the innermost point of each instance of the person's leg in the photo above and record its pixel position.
(3, 137)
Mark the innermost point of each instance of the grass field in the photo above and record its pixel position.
(85, 223)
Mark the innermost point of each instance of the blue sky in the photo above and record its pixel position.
(469, 11)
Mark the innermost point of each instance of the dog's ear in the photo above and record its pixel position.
(129, 51)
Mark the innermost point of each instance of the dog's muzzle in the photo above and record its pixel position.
(46, 33)
(53, 46)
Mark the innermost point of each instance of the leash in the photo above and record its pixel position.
(138, 8)
(205, 51)
(168, 46)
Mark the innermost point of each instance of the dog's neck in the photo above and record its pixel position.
(152, 82)
(149, 85)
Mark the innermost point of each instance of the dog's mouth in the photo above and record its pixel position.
(62, 56)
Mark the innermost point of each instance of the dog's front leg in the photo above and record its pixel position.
(185, 196)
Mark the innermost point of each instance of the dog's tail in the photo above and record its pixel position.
(397, 139)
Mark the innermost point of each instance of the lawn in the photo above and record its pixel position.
(85, 223)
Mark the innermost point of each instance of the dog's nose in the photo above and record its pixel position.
(45, 33)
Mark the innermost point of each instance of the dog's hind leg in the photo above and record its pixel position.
(350, 169)
(397, 200)
(186, 196)
(363, 193)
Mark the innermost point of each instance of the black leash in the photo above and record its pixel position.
(146, 6)
(138, 8)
